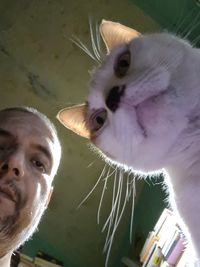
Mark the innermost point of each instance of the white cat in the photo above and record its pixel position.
(143, 111)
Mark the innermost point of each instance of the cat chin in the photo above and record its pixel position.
(142, 171)
(140, 163)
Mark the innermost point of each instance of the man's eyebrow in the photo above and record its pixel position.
(5, 133)
(45, 151)
(39, 147)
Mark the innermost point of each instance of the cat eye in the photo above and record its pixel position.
(98, 119)
(122, 64)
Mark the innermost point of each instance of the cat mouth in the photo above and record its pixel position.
(146, 112)
(139, 122)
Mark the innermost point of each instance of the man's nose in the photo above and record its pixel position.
(13, 164)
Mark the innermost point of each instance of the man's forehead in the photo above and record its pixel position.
(27, 127)
(26, 119)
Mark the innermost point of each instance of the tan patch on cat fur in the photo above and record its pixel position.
(74, 118)
(114, 34)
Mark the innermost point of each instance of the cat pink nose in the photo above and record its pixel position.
(114, 96)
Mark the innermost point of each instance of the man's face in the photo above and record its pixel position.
(27, 158)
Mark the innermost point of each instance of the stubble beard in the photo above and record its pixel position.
(15, 229)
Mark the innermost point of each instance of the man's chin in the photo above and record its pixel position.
(17, 228)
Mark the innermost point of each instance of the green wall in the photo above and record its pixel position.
(178, 16)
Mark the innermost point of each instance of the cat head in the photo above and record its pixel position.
(136, 107)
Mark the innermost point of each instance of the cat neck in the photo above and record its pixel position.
(183, 183)
(184, 163)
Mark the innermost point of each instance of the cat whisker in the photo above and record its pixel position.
(126, 199)
(119, 213)
(109, 239)
(83, 47)
(91, 163)
(181, 25)
(103, 191)
(118, 218)
(91, 191)
(111, 230)
(147, 181)
(93, 41)
(128, 184)
(189, 25)
(193, 27)
(132, 208)
(116, 213)
(132, 192)
(98, 42)
(109, 219)
(181, 14)
(111, 216)
(101, 200)
(196, 40)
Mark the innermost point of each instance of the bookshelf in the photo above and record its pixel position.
(164, 245)
(40, 260)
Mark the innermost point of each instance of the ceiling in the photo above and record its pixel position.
(41, 67)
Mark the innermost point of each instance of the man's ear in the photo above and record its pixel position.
(49, 196)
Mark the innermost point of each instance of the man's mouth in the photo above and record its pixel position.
(8, 192)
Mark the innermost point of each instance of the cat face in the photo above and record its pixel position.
(140, 98)
(136, 105)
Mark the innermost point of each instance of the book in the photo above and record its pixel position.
(166, 213)
(169, 226)
(39, 262)
(150, 253)
(26, 264)
(154, 257)
(24, 257)
(49, 258)
(176, 251)
(25, 261)
(171, 242)
(149, 243)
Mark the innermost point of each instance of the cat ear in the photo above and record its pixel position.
(73, 118)
(114, 34)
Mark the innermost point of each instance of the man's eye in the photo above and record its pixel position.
(39, 165)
